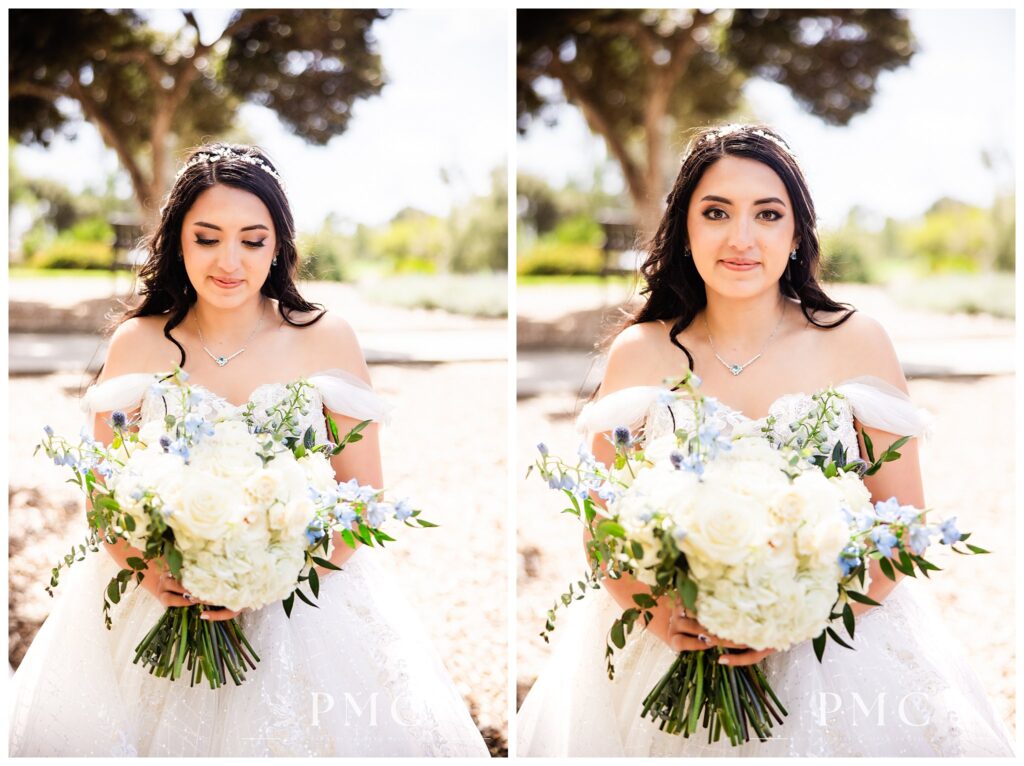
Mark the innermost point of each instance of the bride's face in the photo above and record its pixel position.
(228, 242)
(741, 227)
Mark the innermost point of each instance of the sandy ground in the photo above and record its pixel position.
(446, 448)
(968, 467)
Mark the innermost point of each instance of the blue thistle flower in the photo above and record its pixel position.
(676, 458)
(165, 442)
(118, 419)
(621, 437)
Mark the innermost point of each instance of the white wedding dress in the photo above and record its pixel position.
(904, 691)
(358, 676)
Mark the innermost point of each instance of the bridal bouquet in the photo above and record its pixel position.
(239, 510)
(764, 541)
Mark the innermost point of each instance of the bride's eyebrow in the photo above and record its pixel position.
(218, 228)
(724, 201)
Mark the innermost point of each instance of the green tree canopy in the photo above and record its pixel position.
(150, 94)
(638, 75)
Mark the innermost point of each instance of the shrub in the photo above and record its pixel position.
(551, 258)
(67, 254)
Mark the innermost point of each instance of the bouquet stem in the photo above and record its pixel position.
(211, 650)
(697, 690)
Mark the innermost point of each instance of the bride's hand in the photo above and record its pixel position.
(685, 634)
(169, 592)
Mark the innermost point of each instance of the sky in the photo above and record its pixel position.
(446, 106)
(921, 140)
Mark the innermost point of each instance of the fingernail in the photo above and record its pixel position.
(723, 660)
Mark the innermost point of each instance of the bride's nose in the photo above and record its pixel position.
(229, 259)
(741, 235)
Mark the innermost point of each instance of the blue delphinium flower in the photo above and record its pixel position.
(195, 397)
(48, 430)
(542, 448)
(695, 380)
(950, 534)
(566, 482)
(666, 398)
(849, 559)
(103, 469)
(711, 406)
(920, 538)
(888, 510)
(158, 389)
(586, 456)
(402, 509)
(179, 447)
(376, 514)
(118, 419)
(694, 465)
(197, 427)
(344, 513)
(884, 539)
(315, 531)
(137, 494)
(606, 492)
(621, 437)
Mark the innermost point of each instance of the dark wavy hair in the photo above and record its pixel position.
(166, 289)
(674, 289)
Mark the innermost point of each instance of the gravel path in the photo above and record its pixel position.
(446, 448)
(968, 472)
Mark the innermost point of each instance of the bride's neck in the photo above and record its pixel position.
(743, 322)
(227, 325)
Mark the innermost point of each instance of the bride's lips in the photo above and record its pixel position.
(740, 264)
(227, 284)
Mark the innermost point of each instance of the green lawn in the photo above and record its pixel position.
(24, 272)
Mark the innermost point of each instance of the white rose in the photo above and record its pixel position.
(725, 527)
(318, 471)
(823, 532)
(857, 496)
(265, 486)
(207, 507)
(291, 518)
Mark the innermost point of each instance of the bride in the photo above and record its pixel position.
(357, 676)
(731, 294)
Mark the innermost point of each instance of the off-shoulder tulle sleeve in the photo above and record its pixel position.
(124, 392)
(625, 407)
(878, 404)
(344, 393)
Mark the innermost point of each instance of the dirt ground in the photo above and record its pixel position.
(446, 448)
(968, 466)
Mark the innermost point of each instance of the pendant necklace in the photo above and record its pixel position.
(220, 359)
(736, 369)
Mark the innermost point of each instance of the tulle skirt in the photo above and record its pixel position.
(357, 676)
(905, 691)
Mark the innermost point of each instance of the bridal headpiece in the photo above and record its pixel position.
(726, 130)
(219, 153)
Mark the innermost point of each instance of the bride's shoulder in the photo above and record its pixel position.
(860, 345)
(638, 354)
(138, 344)
(329, 342)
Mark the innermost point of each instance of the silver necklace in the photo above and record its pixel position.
(220, 359)
(736, 369)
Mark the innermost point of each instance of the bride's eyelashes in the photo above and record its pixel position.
(202, 241)
(769, 215)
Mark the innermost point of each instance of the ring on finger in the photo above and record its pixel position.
(187, 596)
(703, 639)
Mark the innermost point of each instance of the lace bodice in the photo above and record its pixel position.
(213, 406)
(334, 390)
(662, 419)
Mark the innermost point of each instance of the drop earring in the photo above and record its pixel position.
(274, 261)
(686, 251)
(792, 256)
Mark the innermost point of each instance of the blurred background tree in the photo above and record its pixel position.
(638, 76)
(151, 94)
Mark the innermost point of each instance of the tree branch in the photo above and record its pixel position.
(35, 90)
(600, 124)
(111, 136)
(153, 65)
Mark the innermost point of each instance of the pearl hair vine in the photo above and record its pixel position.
(728, 130)
(210, 156)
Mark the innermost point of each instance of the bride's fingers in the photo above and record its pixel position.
(169, 599)
(744, 658)
(219, 615)
(680, 642)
